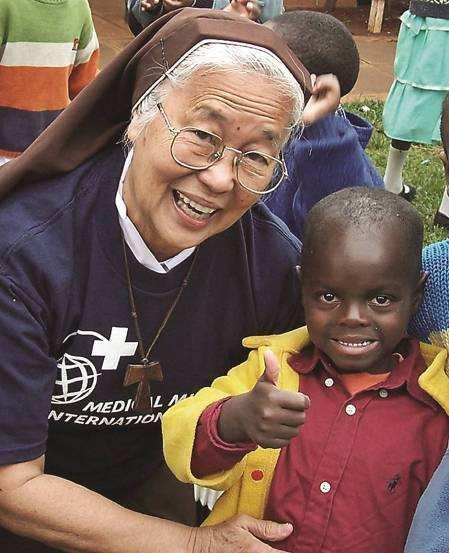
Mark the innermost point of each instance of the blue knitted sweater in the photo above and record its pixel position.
(431, 323)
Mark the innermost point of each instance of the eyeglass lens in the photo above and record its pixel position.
(199, 149)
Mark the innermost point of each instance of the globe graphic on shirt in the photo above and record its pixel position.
(76, 380)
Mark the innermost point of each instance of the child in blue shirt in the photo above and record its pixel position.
(330, 153)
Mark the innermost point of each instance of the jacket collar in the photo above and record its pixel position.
(433, 380)
(404, 375)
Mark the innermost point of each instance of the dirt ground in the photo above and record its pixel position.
(376, 51)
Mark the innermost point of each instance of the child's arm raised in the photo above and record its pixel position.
(266, 415)
(324, 100)
(180, 422)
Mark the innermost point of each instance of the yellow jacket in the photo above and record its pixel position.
(247, 491)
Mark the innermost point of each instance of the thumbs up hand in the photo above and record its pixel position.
(272, 368)
(266, 415)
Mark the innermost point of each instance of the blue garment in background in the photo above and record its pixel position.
(429, 532)
(431, 322)
(329, 156)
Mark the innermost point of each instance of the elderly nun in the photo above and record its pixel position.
(134, 257)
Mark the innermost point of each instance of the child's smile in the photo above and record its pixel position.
(356, 345)
(359, 292)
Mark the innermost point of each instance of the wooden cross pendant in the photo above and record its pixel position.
(143, 374)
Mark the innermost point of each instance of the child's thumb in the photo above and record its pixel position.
(272, 368)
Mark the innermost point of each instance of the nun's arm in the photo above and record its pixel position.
(73, 519)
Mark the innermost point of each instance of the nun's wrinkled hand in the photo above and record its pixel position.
(170, 5)
(240, 534)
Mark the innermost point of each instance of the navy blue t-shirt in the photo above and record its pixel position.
(67, 336)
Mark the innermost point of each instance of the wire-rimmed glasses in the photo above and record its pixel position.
(198, 149)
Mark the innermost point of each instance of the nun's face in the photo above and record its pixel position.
(174, 207)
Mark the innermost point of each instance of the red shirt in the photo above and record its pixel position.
(352, 478)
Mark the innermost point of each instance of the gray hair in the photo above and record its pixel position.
(219, 56)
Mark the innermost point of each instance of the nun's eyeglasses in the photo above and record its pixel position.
(197, 149)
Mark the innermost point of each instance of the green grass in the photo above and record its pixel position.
(423, 168)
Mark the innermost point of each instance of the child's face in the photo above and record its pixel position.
(358, 298)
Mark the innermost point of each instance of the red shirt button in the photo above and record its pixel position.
(257, 475)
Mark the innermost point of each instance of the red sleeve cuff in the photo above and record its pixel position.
(210, 453)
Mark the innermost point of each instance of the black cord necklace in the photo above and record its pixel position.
(145, 371)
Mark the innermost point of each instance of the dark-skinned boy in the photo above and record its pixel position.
(350, 479)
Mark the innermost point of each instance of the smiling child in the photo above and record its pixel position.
(351, 478)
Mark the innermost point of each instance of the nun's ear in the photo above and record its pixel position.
(133, 130)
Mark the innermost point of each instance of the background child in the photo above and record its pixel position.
(430, 529)
(421, 70)
(350, 480)
(329, 155)
(48, 54)
(140, 13)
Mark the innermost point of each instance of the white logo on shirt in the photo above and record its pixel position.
(114, 348)
(78, 376)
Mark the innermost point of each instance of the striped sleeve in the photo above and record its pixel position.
(87, 58)
(85, 67)
(48, 53)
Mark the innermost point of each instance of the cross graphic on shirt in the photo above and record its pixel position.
(143, 374)
(114, 348)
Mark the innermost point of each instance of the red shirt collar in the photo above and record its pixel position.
(405, 374)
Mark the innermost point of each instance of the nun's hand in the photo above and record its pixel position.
(240, 534)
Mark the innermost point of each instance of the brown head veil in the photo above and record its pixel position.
(103, 109)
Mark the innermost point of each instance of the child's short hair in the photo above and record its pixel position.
(322, 43)
(445, 126)
(366, 210)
